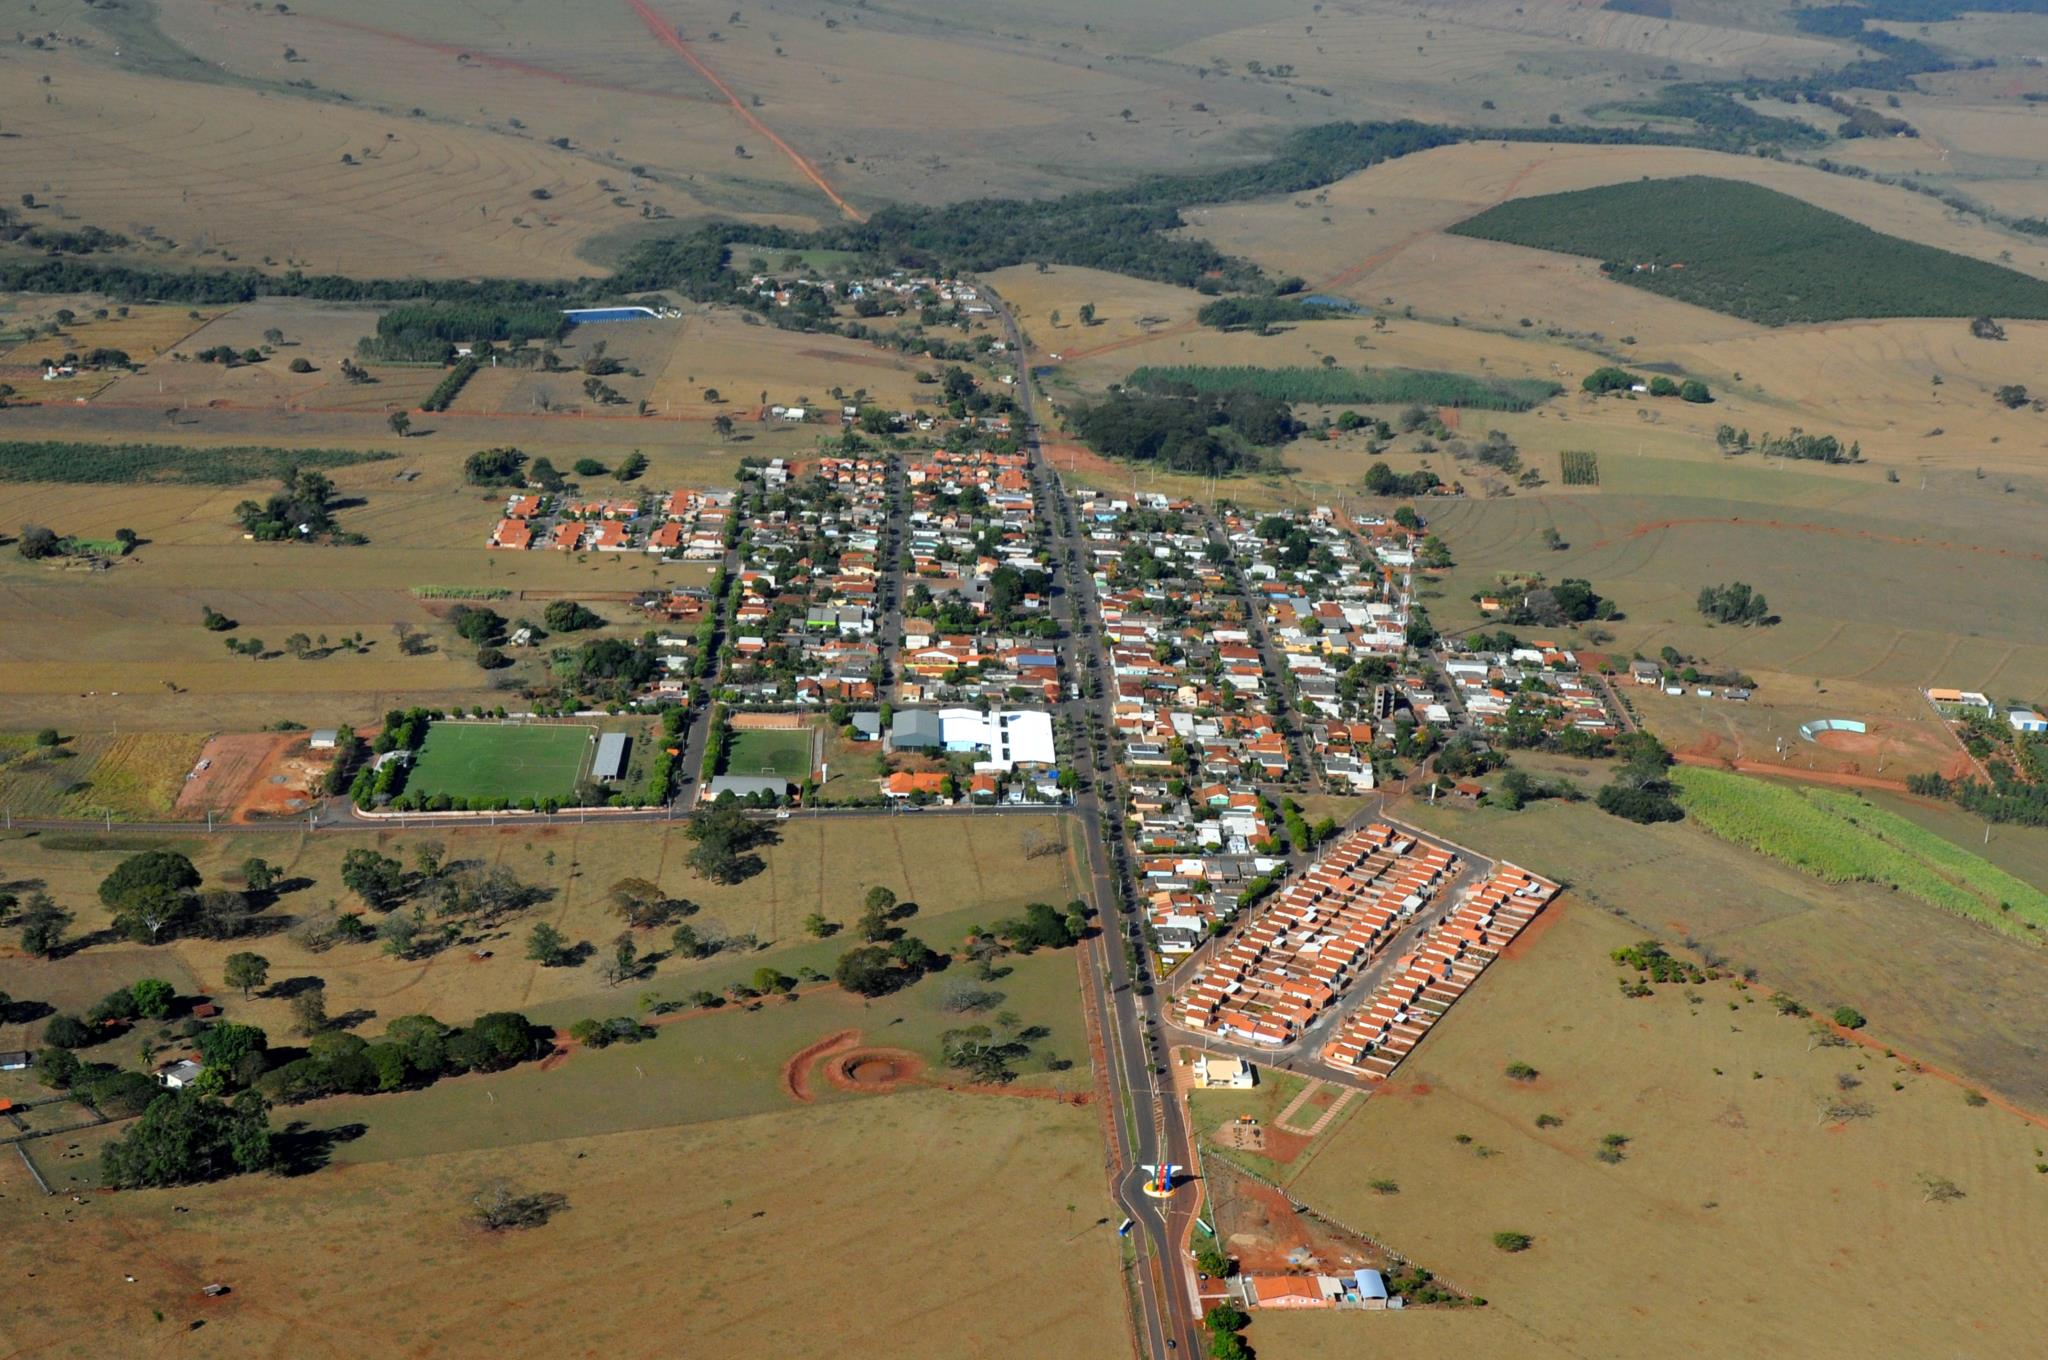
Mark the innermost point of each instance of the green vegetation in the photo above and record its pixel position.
(1338, 386)
(501, 761)
(1839, 838)
(1513, 1241)
(1756, 253)
(1260, 314)
(1734, 603)
(1579, 467)
(57, 460)
(426, 332)
(1641, 790)
(1207, 435)
(445, 390)
(770, 751)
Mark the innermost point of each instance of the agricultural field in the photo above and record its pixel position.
(500, 760)
(1736, 1200)
(1950, 991)
(1755, 253)
(136, 776)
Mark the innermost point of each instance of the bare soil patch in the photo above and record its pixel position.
(874, 1071)
(796, 1073)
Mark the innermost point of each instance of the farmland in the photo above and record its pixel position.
(1839, 839)
(1755, 253)
(1335, 386)
(1736, 1201)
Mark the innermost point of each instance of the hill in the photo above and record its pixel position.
(1755, 253)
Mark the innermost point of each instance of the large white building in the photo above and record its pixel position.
(1010, 737)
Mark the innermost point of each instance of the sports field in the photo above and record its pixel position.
(497, 760)
(764, 751)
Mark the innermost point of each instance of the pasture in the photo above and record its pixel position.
(961, 871)
(1947, 990)
(764, 750)
(922, 1174)
(502, 760)
(132, 776)
(1737, 1202)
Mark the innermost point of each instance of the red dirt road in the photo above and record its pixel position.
(1840, 779)
(666, 31)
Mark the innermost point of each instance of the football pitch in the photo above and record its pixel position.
(501, 760)
(785, 752)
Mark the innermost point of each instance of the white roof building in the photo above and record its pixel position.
(1011, 737)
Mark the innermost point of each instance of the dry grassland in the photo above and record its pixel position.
(133, 776)
(716, 349)
(1735, 1206)
(1949, 992)
(961, 871)
(237, 175)
(864, 1224)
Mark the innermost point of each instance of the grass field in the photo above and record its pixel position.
(768, 751)
(1938, 985)
(1842, 839)
(890, 1201)
(136, 776)
(1737, 1203)
(499, 760)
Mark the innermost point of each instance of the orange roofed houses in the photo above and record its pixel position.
(905, 784)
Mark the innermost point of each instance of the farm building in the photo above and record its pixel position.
(610, 761)
(2027, 720)
(13, 1061)
(324, 738)
(1956, 702)
(178, 1074)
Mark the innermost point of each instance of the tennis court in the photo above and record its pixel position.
(501, 760)
(785, 752)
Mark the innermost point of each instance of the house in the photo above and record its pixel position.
(1212, 1073)
(514, 535)
(2027, 720)
(14, 1061)
(916, 730)
(907, 785)
(1956, 702)
(1645, 672)
(1283, 1291)
(324, 739)
(866, 726)
(179, 1074)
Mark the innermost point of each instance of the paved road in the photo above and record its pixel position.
(1151, 1125)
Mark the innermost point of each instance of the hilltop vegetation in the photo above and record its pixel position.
(1339, 386)
(1206, 434)
(1756, 253)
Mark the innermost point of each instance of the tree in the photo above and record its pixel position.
(68, 1031)
(37, 542)
(43, 923)
(546, 945)
(867, 971)
(400, 422)
(1513, 1241)
(153, 997)
(245, 971)
(623, 964)
(876, 913)
(309, 1010)
(259, 875)
(2012, 396)
(630, 467)
(231, 1047)
(722, 426)
(816, 926)
(149, 892)
(221, 913)
(567, 616)
(378, 879)
(493, 1042)
(185, 1138)
(724, 834)
(1734, 603)
(641, 903)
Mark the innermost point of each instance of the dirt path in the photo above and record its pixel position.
(666, 31)
(796, 1073)
(1838, 778)
(1285, 1120)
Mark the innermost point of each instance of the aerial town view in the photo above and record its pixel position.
(959, 679)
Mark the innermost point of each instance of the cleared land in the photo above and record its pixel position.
(499, 760)
(1737, 1203)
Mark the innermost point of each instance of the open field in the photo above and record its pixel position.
(927, 1174)
(499, 760)
(767, 751)
(1944, 989)
(960, 872)
(135, 776)
(1737, 1202)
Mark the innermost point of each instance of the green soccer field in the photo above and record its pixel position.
(497, 760)
(785, 753)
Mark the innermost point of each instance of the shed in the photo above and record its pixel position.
(867, 726)
(324, 738)
(178, 1074)
(13, 1061)
(746, 786)
(610, 761)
